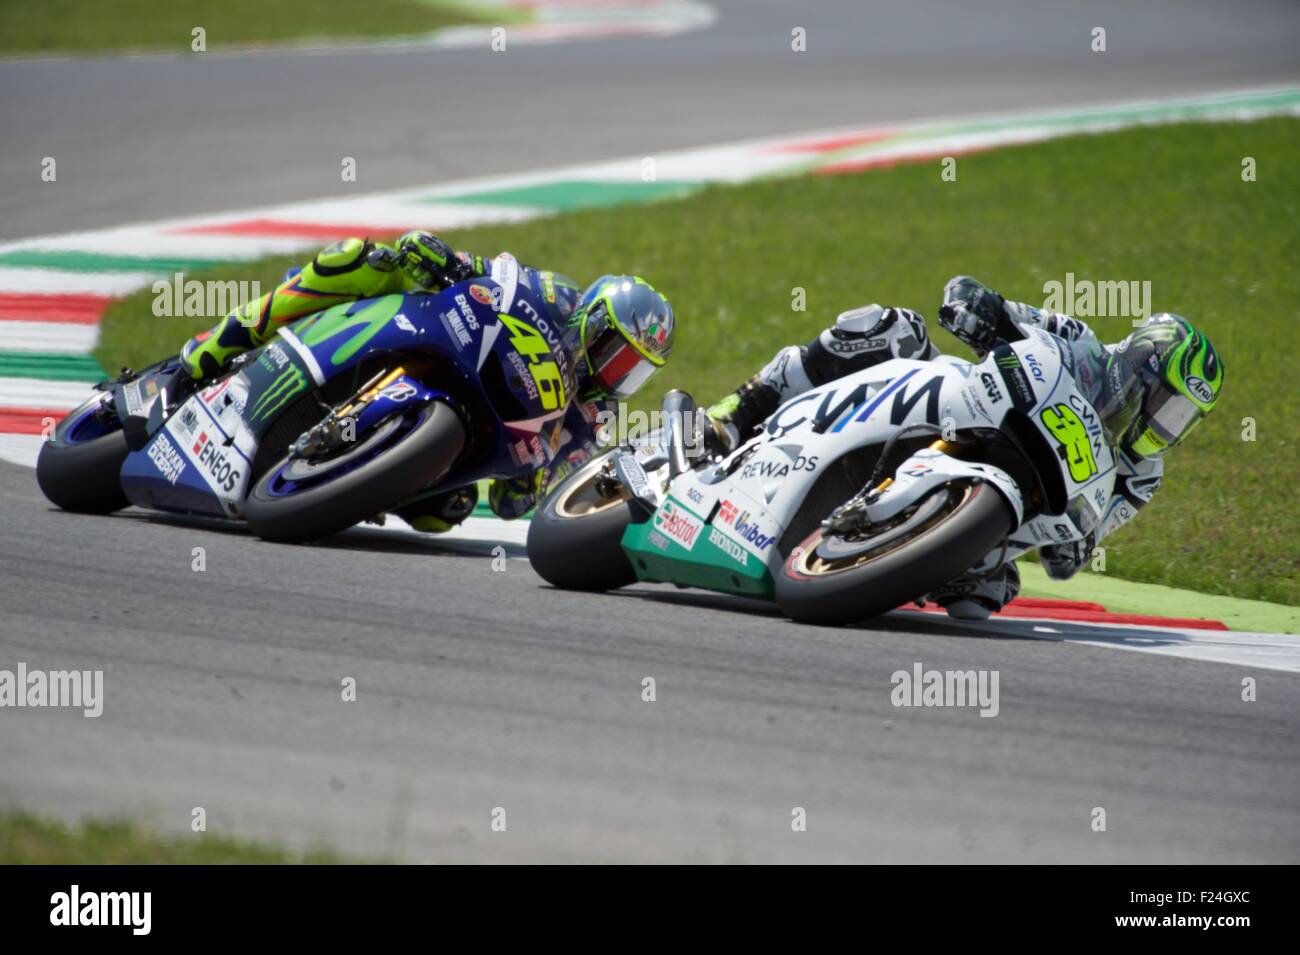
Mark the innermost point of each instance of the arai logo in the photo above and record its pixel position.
(1203, 392)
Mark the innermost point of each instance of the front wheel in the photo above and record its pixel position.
(306, 499)
(831, 579)
(575, 536)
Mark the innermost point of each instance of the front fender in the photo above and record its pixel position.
(401, 393)
(929, 469)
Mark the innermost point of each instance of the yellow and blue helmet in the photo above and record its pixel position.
(626, 330)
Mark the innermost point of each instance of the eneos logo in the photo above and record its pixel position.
(216, 462)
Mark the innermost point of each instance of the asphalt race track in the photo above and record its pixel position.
(149, 138)
(478, 688)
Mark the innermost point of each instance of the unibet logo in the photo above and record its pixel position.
(749, 532)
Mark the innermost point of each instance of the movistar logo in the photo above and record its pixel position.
(364, 321)
(285, 386)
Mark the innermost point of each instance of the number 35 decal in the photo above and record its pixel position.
(1076, 449)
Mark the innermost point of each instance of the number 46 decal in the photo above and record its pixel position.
(529, 342)
(1076, 449)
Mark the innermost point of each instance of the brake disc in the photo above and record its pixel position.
(307, 469)
(833, 548)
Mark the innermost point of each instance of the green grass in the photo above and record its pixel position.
(1127, 596)
(26, 839)
(1165, 204)
(60, 26)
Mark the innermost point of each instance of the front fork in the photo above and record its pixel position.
(384, 395)
(913, 481)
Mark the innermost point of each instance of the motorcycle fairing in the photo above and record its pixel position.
(199, 459)
(763, 483)
(192, 465)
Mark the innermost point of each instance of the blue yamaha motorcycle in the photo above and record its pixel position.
(346, 414)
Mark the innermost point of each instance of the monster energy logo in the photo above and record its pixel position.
(285, 386)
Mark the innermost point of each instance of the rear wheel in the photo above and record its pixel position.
(575, 536)
(79, 467)
(838, 579)
(301, 499)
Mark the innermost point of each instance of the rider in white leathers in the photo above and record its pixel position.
(1150, 389)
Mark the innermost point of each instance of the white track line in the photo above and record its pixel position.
(66, 338)
(61, 281)
(20, 448)
(35, 393)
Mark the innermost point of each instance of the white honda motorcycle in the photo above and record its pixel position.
(856, 497)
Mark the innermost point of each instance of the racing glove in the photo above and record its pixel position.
(975, 314)
(430, 262)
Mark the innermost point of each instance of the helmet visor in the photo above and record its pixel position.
(618, 367)
(1171, 416)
